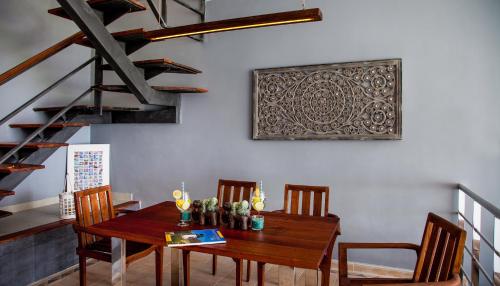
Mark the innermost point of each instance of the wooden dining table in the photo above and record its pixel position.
(290, 241)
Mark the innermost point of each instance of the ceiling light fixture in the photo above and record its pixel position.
(283, 18)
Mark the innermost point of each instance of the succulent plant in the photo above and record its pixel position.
(210, 204)
(242, 208)
(234, 207)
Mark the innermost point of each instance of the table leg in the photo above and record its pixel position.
(286, 275)
(175, 256)
(185, 267)
(159, 265)
(261, 271)
(118, 261)
(325, 274)
(312, 277)
(239, 271)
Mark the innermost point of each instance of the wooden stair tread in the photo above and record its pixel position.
(173, 89)
(58, 125)
(4, 213)
(106, 6)
(166, 64)
(85, 108)
(15, 168)
(33, 145)
(4, 193)
(123, 36)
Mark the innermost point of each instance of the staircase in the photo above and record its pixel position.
(162, 103)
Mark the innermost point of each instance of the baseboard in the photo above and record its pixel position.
(117, 197)
(372, 270)
(31, 205)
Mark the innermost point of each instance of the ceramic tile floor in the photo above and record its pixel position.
(142, 273)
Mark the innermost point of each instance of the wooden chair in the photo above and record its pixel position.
(315, 200)
(95, 206)
(233, 191)
(291, 200)
(439, 256)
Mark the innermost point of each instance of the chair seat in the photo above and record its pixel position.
(102, 249)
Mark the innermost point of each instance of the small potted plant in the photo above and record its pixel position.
(233, 215)
(225, 213)
(196, 211)
(212, 210)
(243, 212)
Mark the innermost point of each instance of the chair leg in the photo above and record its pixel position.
(186, 267)
(83, 270)
(214, 264)
(249, 269)
(159, 265)
(239, 271)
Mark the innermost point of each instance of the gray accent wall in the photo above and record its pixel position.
(27, 29)
(382, 190)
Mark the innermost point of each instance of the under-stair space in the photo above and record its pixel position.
(160, 104)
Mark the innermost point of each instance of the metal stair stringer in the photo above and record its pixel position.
(107, 46)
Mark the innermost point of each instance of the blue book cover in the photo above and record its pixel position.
(194, 237)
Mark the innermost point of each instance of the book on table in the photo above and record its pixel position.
(194, 237)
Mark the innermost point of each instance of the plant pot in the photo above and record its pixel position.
(244, 222)
(213, 218)
(232, 221)
(201, 219)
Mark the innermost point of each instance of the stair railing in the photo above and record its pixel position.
(45, 91)
(39, 130)
(478, 204)
(40, 57)
(54, 118)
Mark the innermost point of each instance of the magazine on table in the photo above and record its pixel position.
(194, 237)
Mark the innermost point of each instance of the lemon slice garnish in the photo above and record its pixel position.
(258, 206)
(185, 205)
(179, 203)
(177, 194)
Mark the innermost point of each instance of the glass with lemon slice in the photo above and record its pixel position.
(183, 204)
(258, 205)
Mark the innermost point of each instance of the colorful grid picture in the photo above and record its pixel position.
(88, 166)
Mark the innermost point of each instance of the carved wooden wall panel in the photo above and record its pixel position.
(357, 100)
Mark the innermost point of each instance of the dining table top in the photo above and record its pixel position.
(291, 240)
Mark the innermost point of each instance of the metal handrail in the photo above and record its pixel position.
(481, 268)
(484, 203)
(45, 91)
(469, 282)
(42, 128)
(488, 243)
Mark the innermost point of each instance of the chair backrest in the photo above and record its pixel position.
(441, 250)
(92, 206)
(234, 191)
(319, 195)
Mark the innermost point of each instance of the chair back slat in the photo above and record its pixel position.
(103, 203)
(291, 201)
(441, 251)
(234, 191)
(92, 206)
(306, 203)
(94, 203)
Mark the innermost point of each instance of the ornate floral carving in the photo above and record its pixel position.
(359, 100)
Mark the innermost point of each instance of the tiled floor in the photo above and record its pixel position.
(142, 273)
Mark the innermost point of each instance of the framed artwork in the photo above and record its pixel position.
(87, 166)
(355, 100)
